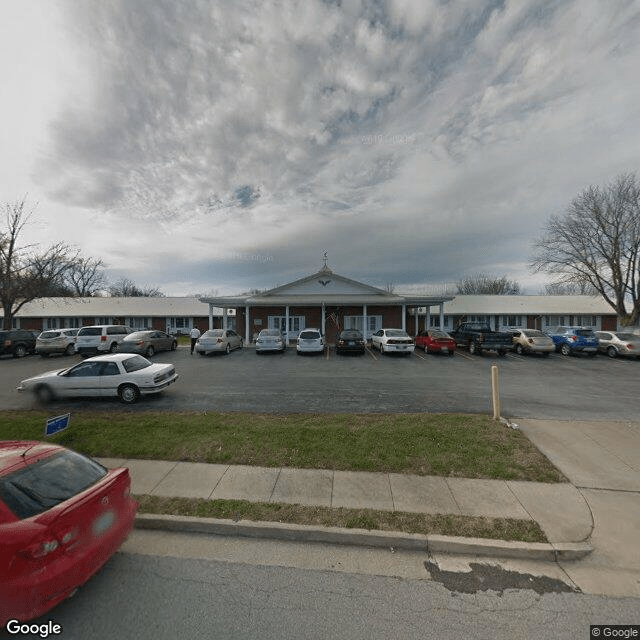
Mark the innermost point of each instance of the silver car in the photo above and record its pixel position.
(270, 340)
(615, 343)
(218, 341)
(147, 342)
(532, 341)
(61, 341)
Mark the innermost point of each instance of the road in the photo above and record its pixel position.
(558, 387)
(164, 593)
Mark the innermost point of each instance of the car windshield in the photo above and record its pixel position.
(135, 363)
(136, 335)
(39, 486)
(269, 333)
(309, 335)
(534, 333)
(397, 333)
(213, 333)
(585, 333)
(438, 334)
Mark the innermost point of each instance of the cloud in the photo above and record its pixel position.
(414, 138)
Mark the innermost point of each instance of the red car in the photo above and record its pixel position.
(62, 516)
(435, 341)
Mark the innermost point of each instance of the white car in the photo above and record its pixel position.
(270, 340)
(310, 341)
(56, 341)
(393, 341)
(218, 340)
(124, 375)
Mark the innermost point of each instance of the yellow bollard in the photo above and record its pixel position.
(495, 391)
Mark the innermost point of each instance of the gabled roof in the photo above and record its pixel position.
(325, 282)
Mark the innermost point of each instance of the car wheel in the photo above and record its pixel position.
(20, 351)
(612, 352)
(70, 350)
(228, 349)
(149, 352)
(44, 394)
(565, 350)
(129, 393)
(451, 353)
(519, 349)
(174, 345)
(113, 348)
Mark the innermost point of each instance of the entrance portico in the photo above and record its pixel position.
(326, 301)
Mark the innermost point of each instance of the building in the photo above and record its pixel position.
(324, 300)
(173, 315)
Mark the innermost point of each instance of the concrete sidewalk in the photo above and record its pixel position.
(559, 509)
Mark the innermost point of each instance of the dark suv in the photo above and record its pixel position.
(17, 342)
(572, 340)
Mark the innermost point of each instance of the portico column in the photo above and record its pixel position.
(427, 318)
(286, 324)
(322, 328)
(246, 324)
(364, 321)
(415, 320)
(442, 316)
(404, 317)
(210, 315)
(224, 318)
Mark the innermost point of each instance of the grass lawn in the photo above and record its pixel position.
(452, 445)
(446, 525)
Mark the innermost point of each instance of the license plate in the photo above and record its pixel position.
(351, 343)
(104, 522)
(444, 348)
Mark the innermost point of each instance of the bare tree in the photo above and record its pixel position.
(85, 277)
(568, 289)
(127, 288)
(25, 273)
(482, 283)
(597, 243)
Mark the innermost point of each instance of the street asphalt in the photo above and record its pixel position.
(591, 522)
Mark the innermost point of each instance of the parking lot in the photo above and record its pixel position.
(531, 387)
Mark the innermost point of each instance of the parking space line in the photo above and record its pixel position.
(373, 355)
(464, 355)
(415, 353)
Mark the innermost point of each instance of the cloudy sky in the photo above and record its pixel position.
(212, 146)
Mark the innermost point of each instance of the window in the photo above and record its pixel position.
(296, 324)
(105, 320)
(511, 321)
(51, 323)
(180, 323)
(434, 321)
(356, 322)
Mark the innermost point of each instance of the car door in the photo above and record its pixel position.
(163, 341)
(110, 378)
(233, 339)
(82, 380)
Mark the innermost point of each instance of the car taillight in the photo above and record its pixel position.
(39, 549)
(341, 343)
(574, 338)
(7, 343)
(630, 346)
(140, 343)
(530, 340)
(219, 340)
(103, 338)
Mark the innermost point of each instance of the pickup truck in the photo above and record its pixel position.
(478, 337)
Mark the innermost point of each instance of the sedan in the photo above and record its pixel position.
(350, 341)
(147, 343)
(393, 341)
(270, 340)
(118, 374)
(615, 343)
(436, 341)
(218, 341)
(61, 341)
(62, 516)
(310, 341)
(532, 341)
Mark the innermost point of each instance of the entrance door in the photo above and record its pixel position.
(296, 325)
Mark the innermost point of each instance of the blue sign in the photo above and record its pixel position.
(55, 425)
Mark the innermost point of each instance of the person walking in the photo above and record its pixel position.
(195, 334)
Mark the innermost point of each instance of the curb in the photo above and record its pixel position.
(553, 552)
